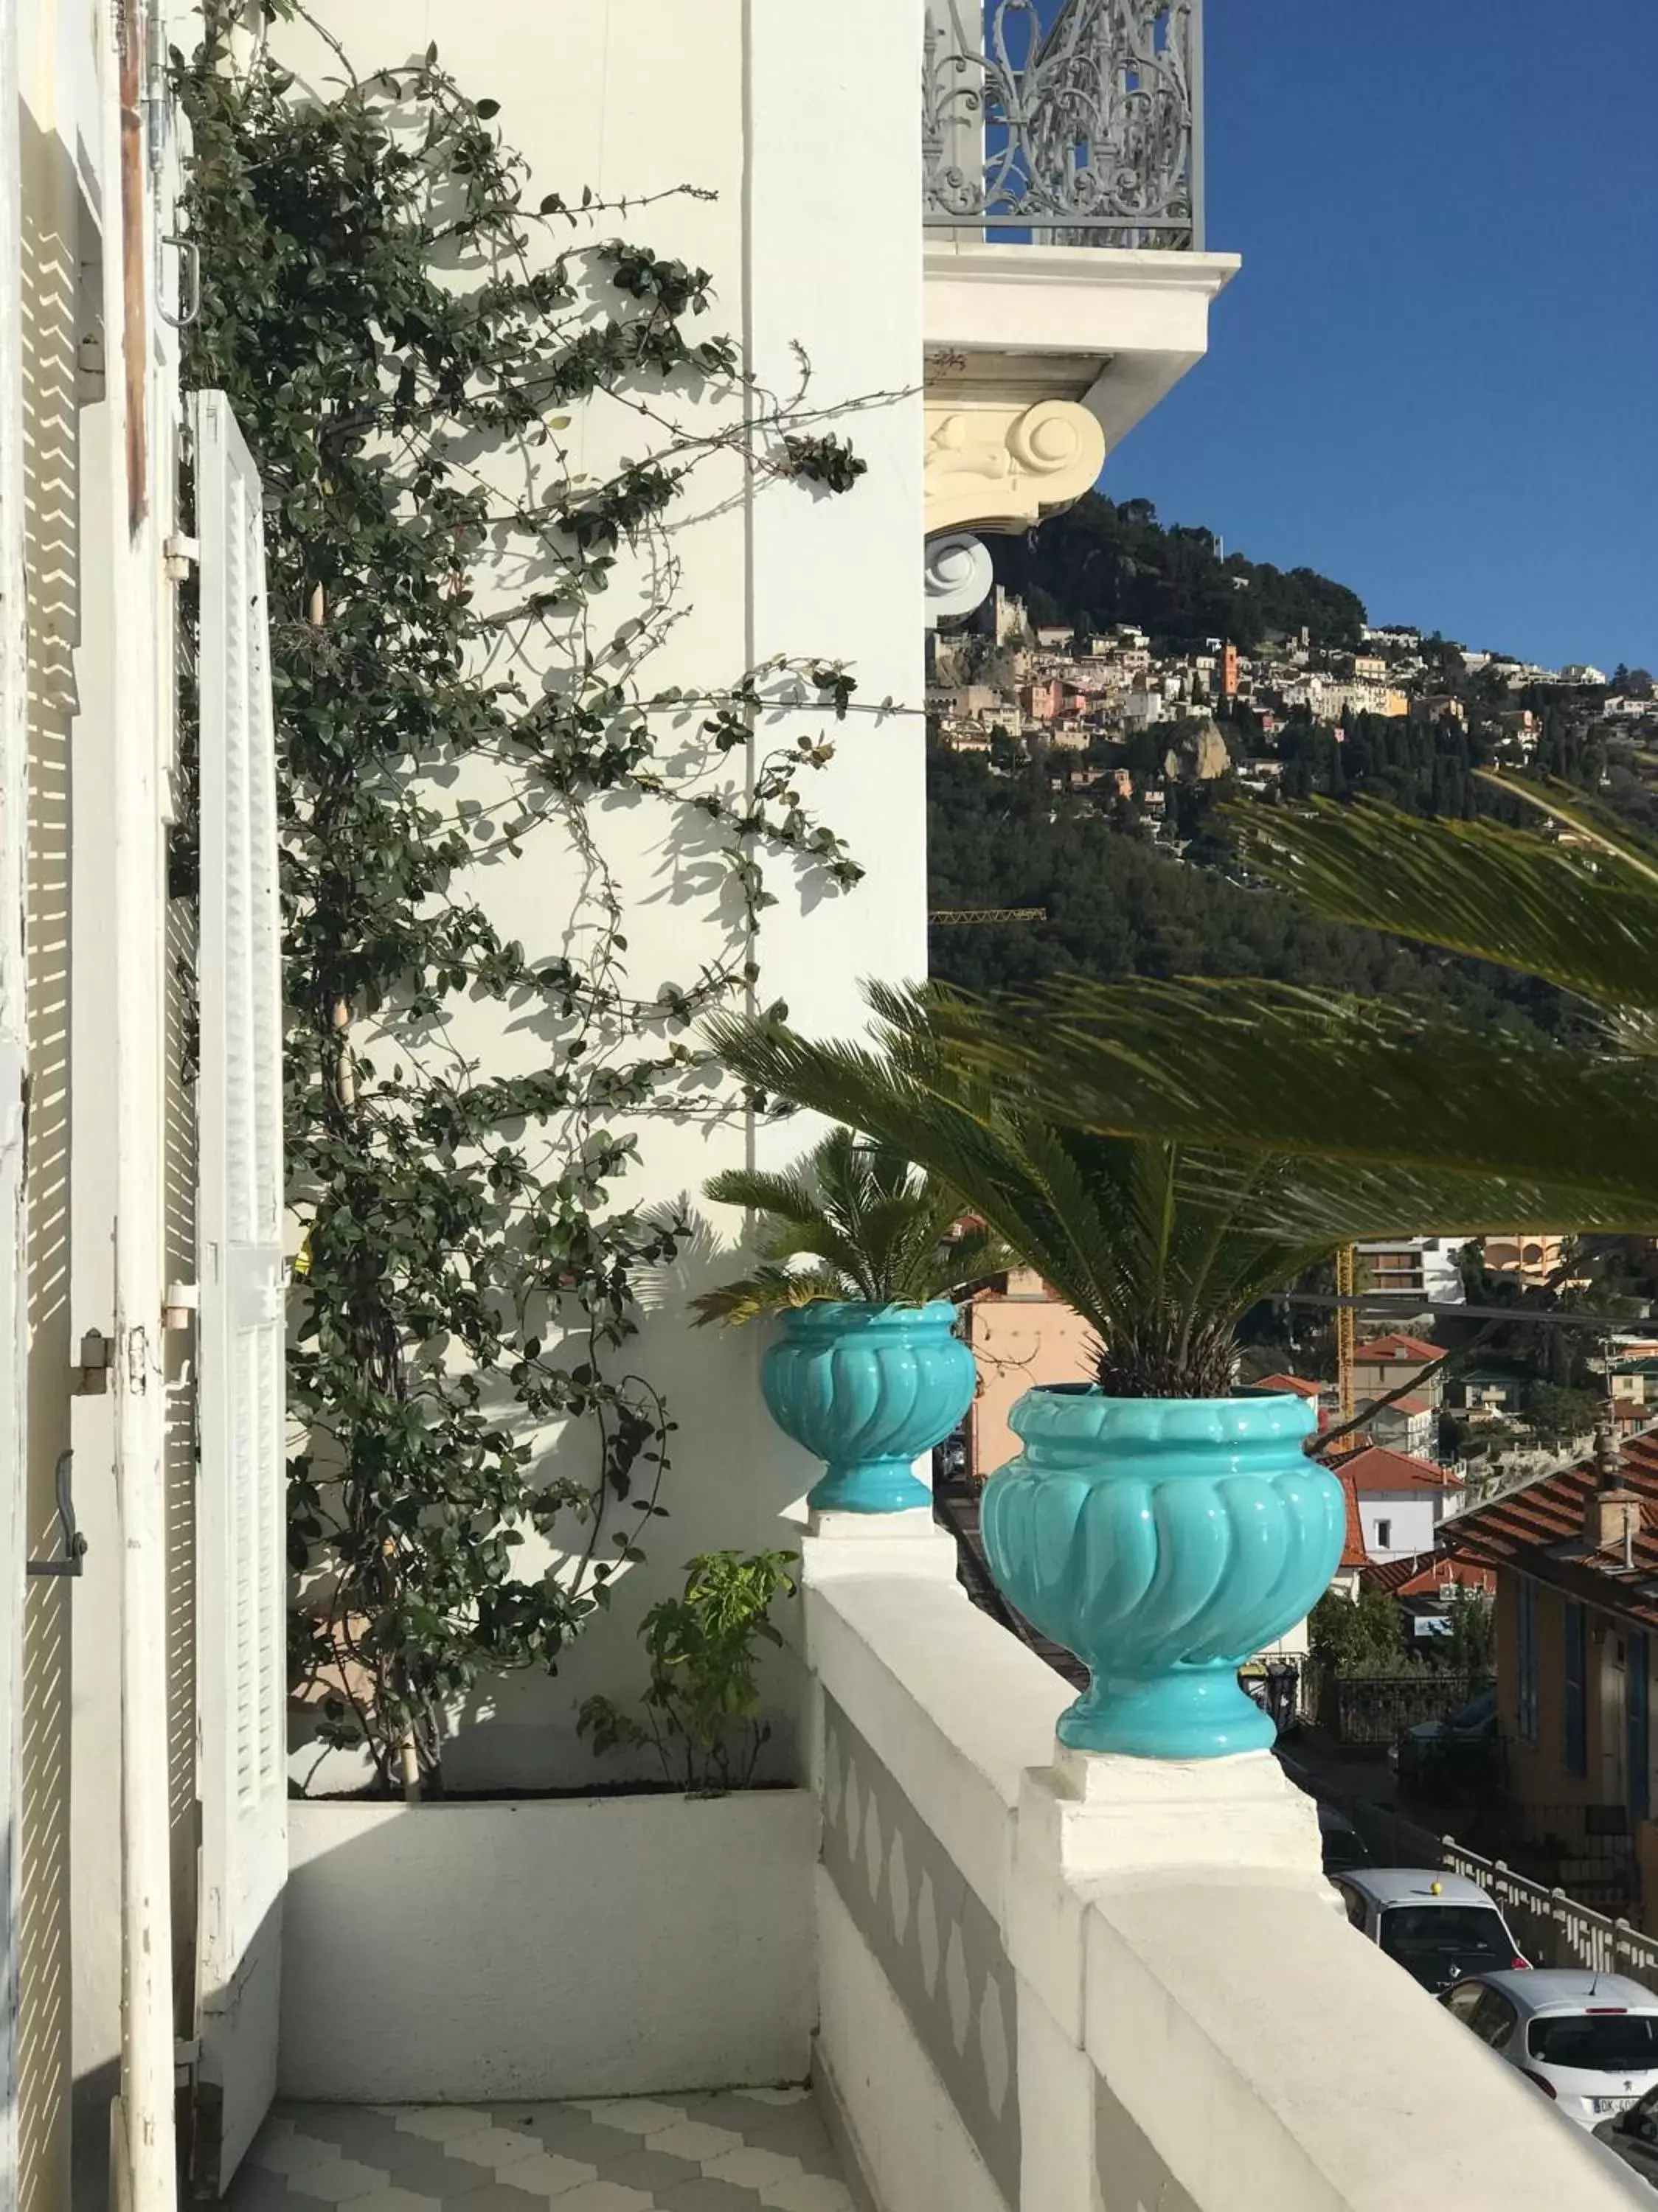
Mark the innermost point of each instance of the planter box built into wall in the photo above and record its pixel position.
(561, 1947)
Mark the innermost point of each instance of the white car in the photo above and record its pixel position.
(1588, 2041)
(1440, 1927)
(1634, 2137)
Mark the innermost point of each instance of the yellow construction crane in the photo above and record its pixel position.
(971, 917)
(1346, 1344)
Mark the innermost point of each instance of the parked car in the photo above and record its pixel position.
(1588, 2041)
(1343, 1845)
(1633, 2134)
(1471, 1730)
(1440, 1927)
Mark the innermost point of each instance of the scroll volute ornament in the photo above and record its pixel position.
(1000, 467)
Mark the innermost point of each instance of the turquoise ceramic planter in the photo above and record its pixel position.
(868, 1390)
(1164, 1541)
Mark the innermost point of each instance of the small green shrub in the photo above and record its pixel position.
(701, 1711)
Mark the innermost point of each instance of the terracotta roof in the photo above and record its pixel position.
(1426, 1575)
(1298, 1383)
(1353, 1553)
(1376, 1472)
(1398, 1347)
(1528, 1527)
(1406, 1404)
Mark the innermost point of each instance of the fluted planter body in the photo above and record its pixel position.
(1164, 1541)
(868, 1390)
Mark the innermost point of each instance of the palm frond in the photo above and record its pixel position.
(1588, 818)
(770, 1289)
(977, 1253)
(1158, 1248)
(1582, 915)
(879, 1231)
(1459, 1131)
(792, 1196)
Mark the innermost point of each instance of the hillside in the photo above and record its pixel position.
(1089, 725)
(1118, 906)
(1099, 563)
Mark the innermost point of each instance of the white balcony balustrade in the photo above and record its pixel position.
(1048, 1982)
(1085, 132)
(1067, 289)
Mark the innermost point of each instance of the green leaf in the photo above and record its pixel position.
(1582, 914)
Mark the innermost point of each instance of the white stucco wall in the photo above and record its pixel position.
(601, 1946)
(1411, 1519)
(809, 143)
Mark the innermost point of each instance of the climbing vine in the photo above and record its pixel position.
(406, 333)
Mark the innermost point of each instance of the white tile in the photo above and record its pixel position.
(751, 2167)
(636, 2116)
(807, 2192)
(604, 2197)
(292, 2153)
(500, 2148)
(548, 2175)
(440, 2123)
(343, 2181)
(695, 2139)
(395, 2200)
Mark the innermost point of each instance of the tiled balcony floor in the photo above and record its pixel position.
(726, 2151)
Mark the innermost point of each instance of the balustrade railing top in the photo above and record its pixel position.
(1555, 1927)
(1064, 122)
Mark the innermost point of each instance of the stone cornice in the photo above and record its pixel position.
(1088, 268)
(997, 465)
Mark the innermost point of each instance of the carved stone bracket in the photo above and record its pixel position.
(995, 465)
(958, 576)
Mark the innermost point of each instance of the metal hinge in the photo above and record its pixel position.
(179, 1308)
(91, 374)
(177, 554)
(91, 1378)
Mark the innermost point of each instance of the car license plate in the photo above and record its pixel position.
(1605, 2105)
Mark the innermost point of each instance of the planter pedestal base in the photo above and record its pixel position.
(1200, 1713)
(873, 1486)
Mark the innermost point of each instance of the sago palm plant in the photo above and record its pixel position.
(1466, 1130)
(1160, 1246)
(872, 1227)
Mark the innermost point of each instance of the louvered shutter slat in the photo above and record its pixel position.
(242, 1555)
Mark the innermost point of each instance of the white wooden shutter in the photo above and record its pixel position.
(242, 1553)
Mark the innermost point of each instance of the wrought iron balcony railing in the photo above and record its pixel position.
(1064, 122)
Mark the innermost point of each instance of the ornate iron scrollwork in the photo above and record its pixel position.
(1085, 133)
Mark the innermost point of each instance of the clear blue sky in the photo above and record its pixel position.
(1436, 378)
